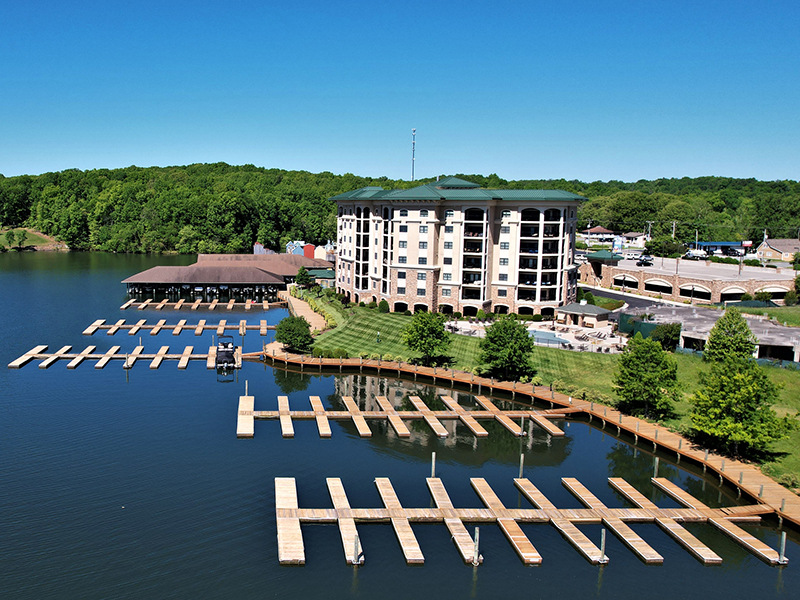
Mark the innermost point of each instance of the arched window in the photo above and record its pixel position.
(404, 213)
(358, 212)
(385, 214)
(423, 213)
(341, 211)
(530, 214)
(366, 213)
(552, 214)
(473, 214)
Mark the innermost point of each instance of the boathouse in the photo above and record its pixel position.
(227, 274)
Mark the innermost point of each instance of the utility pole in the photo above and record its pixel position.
(673, 229)
(649, 227)
(413, 149)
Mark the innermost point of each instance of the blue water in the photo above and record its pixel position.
(116, 485)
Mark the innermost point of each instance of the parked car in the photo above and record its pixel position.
(644, 261)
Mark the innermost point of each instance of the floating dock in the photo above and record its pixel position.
(199, 328)
(290, 517)
(433, 418)
(129, 359)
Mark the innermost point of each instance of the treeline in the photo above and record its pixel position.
(223, 208)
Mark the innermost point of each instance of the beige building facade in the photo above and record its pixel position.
(451, 246)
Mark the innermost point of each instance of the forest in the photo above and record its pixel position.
(218, 207)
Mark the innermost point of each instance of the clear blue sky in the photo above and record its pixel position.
(587, 89)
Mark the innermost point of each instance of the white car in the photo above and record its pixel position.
(631, 256)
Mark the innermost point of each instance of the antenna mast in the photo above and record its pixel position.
(413, 149)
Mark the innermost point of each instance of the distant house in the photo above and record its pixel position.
(778, 249)
(326, 252)
(635, 239)
(598, 234)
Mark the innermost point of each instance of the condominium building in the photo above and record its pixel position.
(452, 246)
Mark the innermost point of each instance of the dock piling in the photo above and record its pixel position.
(475, 553)
(603, 557)
(433, 465)
(782, 557)
(521, 464)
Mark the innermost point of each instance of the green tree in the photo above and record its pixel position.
(730, 337)
(646, 380)
(11, 237)
(763, 296)
(790, 299)
(383, 306)
(668, 334)
(426, 334)
(303, 278)
(733, 408)
(506, 349)
(22, 235)
(294, 333)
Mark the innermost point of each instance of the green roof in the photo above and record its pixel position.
(453, 188)
(604, 255)
(322, 273)
(577, 308)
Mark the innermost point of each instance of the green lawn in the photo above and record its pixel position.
(33, 239)
(790, 315)
(588, 370)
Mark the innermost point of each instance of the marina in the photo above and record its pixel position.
(242, 327)
(290, 517)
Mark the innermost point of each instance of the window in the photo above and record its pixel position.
(401, 290)
(423, 229)
(503, 262)
(401, 274)
(447, 276)
(505, 229)
(421, 276)
(503, 245)
(423, 213)
(423, 245)
(445, 291)
(420, 291)
(403, 228)
(448, 245)
(502, 293)
(448, 214)
(448, 229)
(503, 276)
(423, 260)
(402, 244)
(448, 260)
(401, 260)
(506, 214)
(376, 241)
(404, 213)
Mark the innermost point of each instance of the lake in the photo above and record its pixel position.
(133, 484)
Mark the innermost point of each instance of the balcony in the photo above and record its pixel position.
(471, 279)
(473, 247)
(471, 294)
(471, 230)
(527, 279)
(528, 263)
(472, 262)
(526, 295)
(551, 231)
(529, 248)
(549, 279)
(529, 231)
(550, 248)
(549, 263)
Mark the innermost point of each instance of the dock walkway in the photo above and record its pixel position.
(290, 517)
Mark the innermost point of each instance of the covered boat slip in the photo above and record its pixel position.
(225, 275)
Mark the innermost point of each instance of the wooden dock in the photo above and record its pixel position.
(129, 359)
(396, 418)
(247, 304)
(748, 478)
(290, 517)
(199, 328)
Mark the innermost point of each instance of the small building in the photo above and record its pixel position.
(598, 234)
(582, 313)
(635, 239)
(778, 249)
(324, 278)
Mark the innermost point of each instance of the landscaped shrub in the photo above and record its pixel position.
(537, 318)
(407, 313)
(771, 266)
(481, 316)
(388, 357)
(457, 316)
(361, 304)
(339, 353)
(752, 262)
(383, 306)
(363, 354)
(372, 304)
(746, 297)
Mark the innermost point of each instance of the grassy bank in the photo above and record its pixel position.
(592, 371)
(32, 239)
(790, 315)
